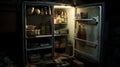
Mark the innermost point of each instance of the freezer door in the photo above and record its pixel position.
(88, 31)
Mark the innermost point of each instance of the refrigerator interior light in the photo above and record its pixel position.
(62, 6)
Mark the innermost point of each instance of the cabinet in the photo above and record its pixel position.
(37, 33)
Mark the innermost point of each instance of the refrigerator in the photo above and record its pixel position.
(78, 26)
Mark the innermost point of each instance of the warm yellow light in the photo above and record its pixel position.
(61, 6)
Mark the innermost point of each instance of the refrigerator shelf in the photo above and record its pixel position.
(88, 21)
(92, 44)
(60, 23)
(92, 57)
(85, 20)
(38, 48)
(60, 34)
(38, 36)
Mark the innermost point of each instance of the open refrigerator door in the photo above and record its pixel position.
(88, 32)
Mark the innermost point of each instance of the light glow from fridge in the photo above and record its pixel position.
(63, 6)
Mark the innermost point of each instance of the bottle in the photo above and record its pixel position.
(59, 16)
(59, 19)
(46, 11)
(83, 33)
(43, 29)
(49, 9)
(62, 17)
(42, 11)
(65, 16)
(79, 32)
(48, 28)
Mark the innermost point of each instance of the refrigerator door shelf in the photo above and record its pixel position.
(96, 19)
(91, 21)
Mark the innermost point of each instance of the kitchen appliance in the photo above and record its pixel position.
(84, 23)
